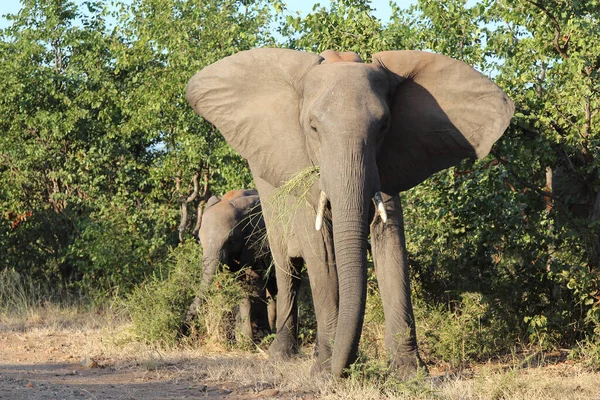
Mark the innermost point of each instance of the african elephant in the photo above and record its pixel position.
(232, 232)
(373, 130)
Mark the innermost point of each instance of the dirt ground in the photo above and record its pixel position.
(96, 360)
(49, 365)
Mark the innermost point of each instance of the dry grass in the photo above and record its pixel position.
(298, 186)
(107, 338)
(492, 382)
(293, 378)
(286, 199)
(549, 382)
(51, 317)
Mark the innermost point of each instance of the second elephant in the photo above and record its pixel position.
(233, 233)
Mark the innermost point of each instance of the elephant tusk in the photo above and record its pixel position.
(380, 207)
(320, 210)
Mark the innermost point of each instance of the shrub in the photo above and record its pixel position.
(215, 323)
(158, 307)
(118, 247)
(467, 331)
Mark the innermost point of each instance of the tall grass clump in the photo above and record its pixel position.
(587, 352)
(157, 308)
(371, 372)
(455, 334)
(215, 324)
(18, 294)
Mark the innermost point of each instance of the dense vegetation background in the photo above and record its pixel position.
(104, 167)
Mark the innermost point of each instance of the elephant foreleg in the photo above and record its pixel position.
(391, 265)
(318, 254)
(244, 320)
(287, 274)
(271, 292)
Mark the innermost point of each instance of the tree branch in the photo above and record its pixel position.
(522, 182)
(205, 195)
(194, 194)
(561, 50)
(573, 125)
(185, 200)
(184, 220)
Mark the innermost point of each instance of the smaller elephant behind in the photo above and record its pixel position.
(233, 233)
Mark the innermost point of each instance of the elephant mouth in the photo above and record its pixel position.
(377, 199)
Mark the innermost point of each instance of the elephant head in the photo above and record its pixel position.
(379, 127)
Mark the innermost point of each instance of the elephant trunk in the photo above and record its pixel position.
(350, 238)
(210, 265)
(350, 192)
(209, 269)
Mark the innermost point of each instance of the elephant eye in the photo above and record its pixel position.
(313, 127)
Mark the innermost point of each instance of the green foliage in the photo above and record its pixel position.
(164, 44)
(470, 330)
(158, 307)
(216, 319)
(98, 145)
(58, 116)
(457, 333)
(519, 227)
(550, 68)
(372, 368)
(348, 25)
(118, 247)
(446, 27)
(378, 374)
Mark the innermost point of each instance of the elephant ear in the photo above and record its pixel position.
(253, 98)
(442, 111)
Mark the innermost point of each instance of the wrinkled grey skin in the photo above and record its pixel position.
(232, 233)
(380, 127)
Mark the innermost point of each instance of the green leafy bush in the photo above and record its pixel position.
(158, 307)
(119, 246)
(216, 320)
(470, 330)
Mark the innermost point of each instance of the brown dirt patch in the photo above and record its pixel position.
(41, 364)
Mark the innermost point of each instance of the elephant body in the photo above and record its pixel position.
(373, 130)
(232, 232)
